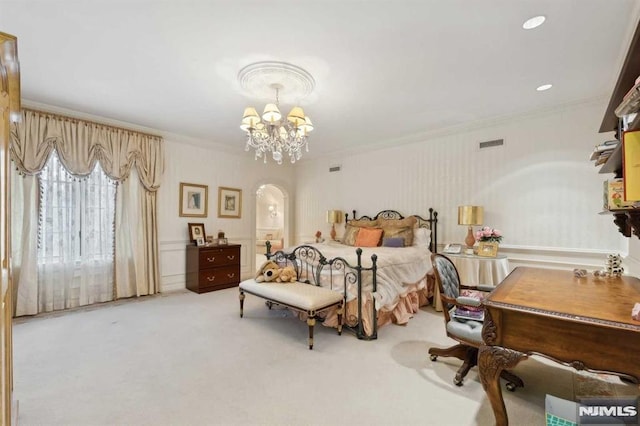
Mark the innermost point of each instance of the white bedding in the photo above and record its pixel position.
(398, 268)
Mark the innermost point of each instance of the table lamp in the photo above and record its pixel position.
(333, 217)
(470, 215)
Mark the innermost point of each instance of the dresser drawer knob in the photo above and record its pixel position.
(231, 275)
(231, 257)
(211, 279)
(211, 259)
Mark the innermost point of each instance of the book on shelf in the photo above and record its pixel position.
(632, 91)
(604, 147)
(467, 314)
(602, 158)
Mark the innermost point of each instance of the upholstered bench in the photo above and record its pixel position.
(302, 297)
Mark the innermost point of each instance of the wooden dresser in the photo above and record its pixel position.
(213, 268)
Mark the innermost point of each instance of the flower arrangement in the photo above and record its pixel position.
(489, 234)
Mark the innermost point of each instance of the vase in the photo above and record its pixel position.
(488, 248)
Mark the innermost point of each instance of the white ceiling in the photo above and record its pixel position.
(384, 70)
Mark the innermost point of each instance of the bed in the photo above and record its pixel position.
(402, 281)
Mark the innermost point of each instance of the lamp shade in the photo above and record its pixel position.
(307, 127)
(334, 216)
(470, 215)
(296, 116)
(250, 118)
(271, 113)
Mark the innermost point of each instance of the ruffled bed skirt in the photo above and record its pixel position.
(400, 312)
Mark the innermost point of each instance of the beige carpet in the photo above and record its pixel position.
(188, 359)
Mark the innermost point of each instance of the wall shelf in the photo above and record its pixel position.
(630, 103)
(626, 80)
(625, 100)
(614, 162)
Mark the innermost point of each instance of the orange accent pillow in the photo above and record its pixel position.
(368, 237)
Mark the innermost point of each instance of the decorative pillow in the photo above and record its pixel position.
(393, 242)
(421, 237)
(368, 237)
(350, 233)
(402, 228)
(410, 221)
(405, 233)
(364, 223)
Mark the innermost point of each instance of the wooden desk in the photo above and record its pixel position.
(584, 323)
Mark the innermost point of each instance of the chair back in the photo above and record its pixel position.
(447, 279)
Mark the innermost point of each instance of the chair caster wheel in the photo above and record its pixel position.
(511, 387)
(433, 357)
(457, 382)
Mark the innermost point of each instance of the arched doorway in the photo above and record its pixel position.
(271, 220)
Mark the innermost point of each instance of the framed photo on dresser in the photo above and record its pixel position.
(196, 230)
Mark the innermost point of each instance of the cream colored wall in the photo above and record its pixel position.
(539, 188)
(212, 167)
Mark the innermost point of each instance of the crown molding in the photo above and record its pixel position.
(464, 128)
(167, 136)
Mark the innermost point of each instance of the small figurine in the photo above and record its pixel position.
(613, 267)
(580, 273)
(319, 238)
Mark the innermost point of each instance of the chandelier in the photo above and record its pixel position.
(273, 133)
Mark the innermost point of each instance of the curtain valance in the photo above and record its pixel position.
(81, 143)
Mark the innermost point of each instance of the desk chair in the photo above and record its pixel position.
(468, 332)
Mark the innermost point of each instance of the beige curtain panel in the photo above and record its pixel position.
(81, 143)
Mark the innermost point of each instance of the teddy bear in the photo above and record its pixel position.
(287, 275)
(269, 271)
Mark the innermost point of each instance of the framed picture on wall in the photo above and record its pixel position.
(229, 202)
(193, 200)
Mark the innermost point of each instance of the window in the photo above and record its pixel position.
(76, 215)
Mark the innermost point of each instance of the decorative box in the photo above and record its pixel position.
(614, 195)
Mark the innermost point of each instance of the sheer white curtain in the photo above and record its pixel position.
(76, 238)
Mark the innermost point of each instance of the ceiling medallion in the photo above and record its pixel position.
(275, 133)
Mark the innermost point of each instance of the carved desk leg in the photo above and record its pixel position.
(491, 361)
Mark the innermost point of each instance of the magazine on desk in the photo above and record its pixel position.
(466, 314)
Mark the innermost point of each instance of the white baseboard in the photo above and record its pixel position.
(165, 288)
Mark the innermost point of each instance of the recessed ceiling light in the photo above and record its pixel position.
(544, 87)
(534, 22)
